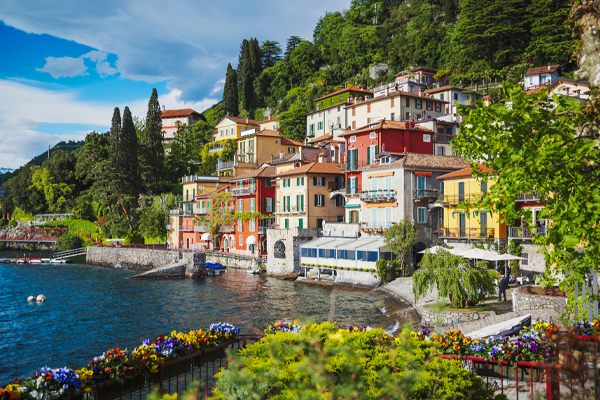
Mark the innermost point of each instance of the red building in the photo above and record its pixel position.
(253, 192)
(365, 143)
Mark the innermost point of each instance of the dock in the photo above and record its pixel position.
(8, 260)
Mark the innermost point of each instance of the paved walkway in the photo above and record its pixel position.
(403, 288)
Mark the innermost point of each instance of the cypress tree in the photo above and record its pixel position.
(240, 68)
(271, 53)
(154, 151)
(230, 92)
(255, 58)
(129, 146)
(115, 140)
(551, 40)
(247, 91)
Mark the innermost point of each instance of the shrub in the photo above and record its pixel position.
(13, 222)
(133, 237)
(322, 362)
(77, 226)
(69, 241)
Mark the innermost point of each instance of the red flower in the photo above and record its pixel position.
(107, 370)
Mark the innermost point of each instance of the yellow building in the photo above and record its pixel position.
(272, 124)
(232, 127)
(255, 148)
(303, 196)
(460, 224)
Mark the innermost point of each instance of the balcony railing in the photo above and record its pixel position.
(173, 212)
(200, 210)
(523, 232)
(431, 194)
(376, 226)
(226, 228)
(201, 229)
(226, 164)
(243, 191)
(378, 195)
(443, 138)
(461, 198)
(288, 210)
(528, 196)
(333, 186)
(262, 230)
(215, 149)
(467, 233)
(186, 228)
(353, 189)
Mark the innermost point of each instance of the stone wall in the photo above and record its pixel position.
(172, 271)
(341, 229)
(231, 262)
(431, 318)
(522, 302)
(536, 264)
(288, 262)
(146, 260)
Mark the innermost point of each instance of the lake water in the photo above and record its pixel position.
(89, 310)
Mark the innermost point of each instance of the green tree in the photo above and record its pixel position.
(129, 143)
(551, 149)
(27, 198)
(401, 238)
(450, 11)
(230, 92)
(152, 223)
(221, 211)
(59, 196)
(291, 44)
(152, 144)
(69, 241)
(116, 149)
(293, 122)
(454, 277)
(551, 40)
(271, 53)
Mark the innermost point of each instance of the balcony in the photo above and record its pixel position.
(375, 226)
(173, 212)
(288, 210)
(350, 190)
(467, 233)
(533, 196)
(226, 164)
(186, 228)
(523, 232)
(226, 228)
(381, 195)
(200, 229)
(198, 210)
(243, 191)
(216, 148)
(333, 186)
(443, 138)
(426, 194)
(461, 198)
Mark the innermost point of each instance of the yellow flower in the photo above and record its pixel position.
(154, 371)
(413, 334)
(87, 390)
(466, 340)
(444, 344)
(398, 341)
(403, 333)
(453, 337)
(9, 388)
(170, 396)
(456, 347)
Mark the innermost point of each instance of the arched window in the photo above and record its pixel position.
(279, 249)
(226, 243)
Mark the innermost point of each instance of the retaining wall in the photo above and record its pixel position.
(522, 302)
(231, 262)
(431, 318)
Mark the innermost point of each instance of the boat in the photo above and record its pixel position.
(21, 261)
(213, 269)
(35, 261)
(252, 271)
(503, 329)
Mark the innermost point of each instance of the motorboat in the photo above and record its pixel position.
(213, 269)
(35, 261)
(252, 271)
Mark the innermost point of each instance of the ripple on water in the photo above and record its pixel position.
(89, 310)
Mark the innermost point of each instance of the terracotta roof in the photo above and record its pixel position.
(539, 70)
(269, 119)
(385, 124)
(422, 160)
(323, 137)
(290, 142)
(265, 132)
(246, 121)
(184, 112)
(264, 171)
(444, 88)
(537, 89)
(464, 173)
(565, 80)
(395, 94)
(315, 168)
(348, 89)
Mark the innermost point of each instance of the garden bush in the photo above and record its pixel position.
(77, 226)
(13, 222)
(68, 241)
(323, 362)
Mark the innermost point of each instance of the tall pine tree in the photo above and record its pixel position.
(154, 151)
(291, 45)
(230, 92)
(271, 53)
(129, 146)
(551, 40)
(116, 156)
(247, 92)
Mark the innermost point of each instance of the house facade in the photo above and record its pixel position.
(540, 76)
(170, 119)
(232, 127)
(452, 94)
(444, 133)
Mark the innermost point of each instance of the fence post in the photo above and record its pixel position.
(552, 383)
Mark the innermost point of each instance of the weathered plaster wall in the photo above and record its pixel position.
(522, 302)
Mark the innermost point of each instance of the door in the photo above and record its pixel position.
(483, 224)
(462, 224)
(187, 243)
(420, 186)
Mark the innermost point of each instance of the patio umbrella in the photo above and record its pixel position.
(435, 249)
(508, 257)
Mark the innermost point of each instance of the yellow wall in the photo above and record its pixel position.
(271, 125)
(472, 193)
(226, 126)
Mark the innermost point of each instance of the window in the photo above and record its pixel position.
(353, 138)
(440, 150)
(456, 96)
(369, 120)
(526, 259)
(300, 223)
(369, 108)
(438, 107)
(240, 240)
(221, 132)
(421, 182)
(483, 187)
(371, 152)
(354, 126)
(543, 78)
(318, 181)
(252, 223)
(442, 96)
(419, 103)
(411, 89)
(392, 117)
(252, 205)
(338, 110)
(422, 215)
(240, 205)
(407, 102)
(373, 135)
(429, 105)
(319, 200)
(392, 102)
(319, 223)
(268, 182)
(291, 150)
(427, 138)
(240, 228)
(441, 217)
(268, 205)
(442, 186)
(354, 217)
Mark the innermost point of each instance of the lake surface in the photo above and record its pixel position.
(89, 310)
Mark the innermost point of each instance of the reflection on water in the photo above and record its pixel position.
(90, 309)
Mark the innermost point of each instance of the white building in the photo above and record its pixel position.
(170, 118)
(453, 94)
(444, 133)
(536, 77)
(321, 121)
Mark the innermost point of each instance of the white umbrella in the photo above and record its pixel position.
(508, 257)
(435, 249)
(480, 254)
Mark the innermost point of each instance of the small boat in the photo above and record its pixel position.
(35, 261)
(41, 298)
(252, 271)
(213, 269)
(31, 298)
(21, 261)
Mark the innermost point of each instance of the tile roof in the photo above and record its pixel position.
(539, 70)
(315, 168)
(444, 88)
(395, 94)
(320, 138)
(265, 171)
(246, 121)
(422, 160)
(290, 142)
(269, 119)
(385, 124)
(348, 89)
(464, 173)
(184, 112)
(565, 80)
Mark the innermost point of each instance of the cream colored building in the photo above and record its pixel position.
(232, 127)
(272, 124)
(170, 119)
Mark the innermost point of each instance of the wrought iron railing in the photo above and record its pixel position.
(467, 233)
(523, 232)
(243, 191)
(378, 195)
(201, 229)
(433, 194)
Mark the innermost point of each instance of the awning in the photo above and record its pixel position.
(418, 173)
(250, 240)
(353, 203)
(206, 236)
(381, 174)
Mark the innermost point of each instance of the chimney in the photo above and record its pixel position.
(163, 107)
(548, 66)
(247, 120)
(387, 90)
(280, 154)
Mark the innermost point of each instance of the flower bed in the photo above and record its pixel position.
(118, 365)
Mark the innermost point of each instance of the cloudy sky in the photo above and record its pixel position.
(65, 64)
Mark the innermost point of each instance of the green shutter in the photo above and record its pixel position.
(264, 204)
(297, 202)
(302, 202)
(300, 223)
(368, 156)
(323, 199)
(316, 201)
(297, 181)
(302, 181)
(287, 224)
(314, 181)
(283, 204)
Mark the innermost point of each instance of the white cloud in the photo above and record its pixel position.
(103, 67)
(64, 67)
(186, 42)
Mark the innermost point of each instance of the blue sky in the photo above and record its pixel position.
(66, 64)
